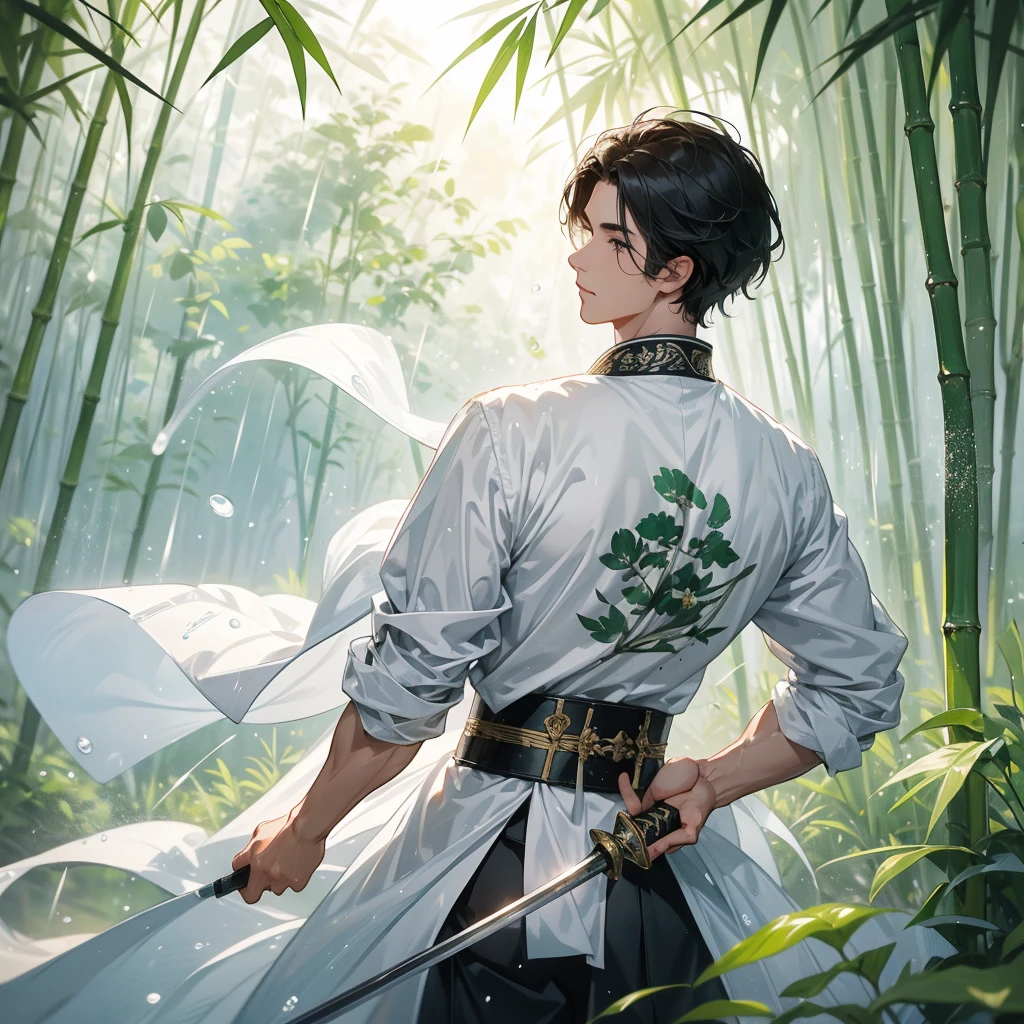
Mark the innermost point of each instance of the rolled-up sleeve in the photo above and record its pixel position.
(443, 577)
(841, 647)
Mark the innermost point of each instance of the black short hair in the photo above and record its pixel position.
(693, 191)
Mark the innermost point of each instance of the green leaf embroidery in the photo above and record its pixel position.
(647, 560)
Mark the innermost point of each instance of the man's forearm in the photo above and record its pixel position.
(356, 765)
(761, 757)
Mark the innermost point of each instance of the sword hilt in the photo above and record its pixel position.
(228, 883)
(632, 835)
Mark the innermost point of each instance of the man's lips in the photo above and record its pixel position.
(582, 289)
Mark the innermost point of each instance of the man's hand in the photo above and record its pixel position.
(278, 859)
(680, 784)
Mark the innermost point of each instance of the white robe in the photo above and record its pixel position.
(498, 554)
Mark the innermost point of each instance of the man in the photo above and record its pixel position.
(582, 548)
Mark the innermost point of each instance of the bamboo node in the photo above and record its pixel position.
(922, 121)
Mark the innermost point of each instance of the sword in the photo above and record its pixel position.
(628, 841)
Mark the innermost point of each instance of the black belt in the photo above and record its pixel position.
(544, 738)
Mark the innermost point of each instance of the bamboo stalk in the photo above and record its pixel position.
(967, 817)
(838, 275)
(763, 153)
(892, 309)
(1011, 365)
(833, 399)
(798, 297)
(998, 617)
(980, 322)
(563, 88)
(90, 399)
(769, 360)
(42, 313)
(227, 101)
(34, 67)
(805, 414)
(890, 438)
(318, 482)
(673, 57)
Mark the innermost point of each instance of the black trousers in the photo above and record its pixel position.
(650, 939)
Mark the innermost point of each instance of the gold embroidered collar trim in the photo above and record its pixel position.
(681, 355)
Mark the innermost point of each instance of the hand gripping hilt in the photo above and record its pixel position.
(632, 835)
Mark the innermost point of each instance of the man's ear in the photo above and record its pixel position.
(675, 274)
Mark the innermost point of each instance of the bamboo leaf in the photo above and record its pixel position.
(995, 988)
(833, 923)
(1004, 18)
(481, 40)
(405, 51)
(571, 14)
(948, 14)
(770, 23)
(111, 19)
(874, 37)
(105, 225)
(634, 997)
(84, 44)
(1011, 647)
(176, 205)
(244, 42)
(1013, 941)
(967, 717)
(156, 221)
(125, 102)
(295, 52)
(40, 94)
(365, 63)
(718, 1008)
(498, 65)
(869, 964)
(307, 37)
(893, 866)
(935, 761)
(525, 56)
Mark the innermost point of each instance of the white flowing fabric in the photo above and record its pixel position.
(153, 663)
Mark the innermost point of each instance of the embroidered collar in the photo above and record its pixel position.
(679, 354)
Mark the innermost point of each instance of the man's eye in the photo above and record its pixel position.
(619, 245)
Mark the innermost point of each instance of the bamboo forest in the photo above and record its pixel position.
(254, 257)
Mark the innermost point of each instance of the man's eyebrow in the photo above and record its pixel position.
(617, 227)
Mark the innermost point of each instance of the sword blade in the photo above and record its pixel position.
(595, 864)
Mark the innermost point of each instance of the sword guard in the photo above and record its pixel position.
(631, 836)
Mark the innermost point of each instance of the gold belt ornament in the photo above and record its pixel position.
(587, 744)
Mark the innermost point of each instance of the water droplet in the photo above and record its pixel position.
(251, 525)
(127, 908)
(43, 774)
(362, 387)
(160, 444)
(103, 837)
(234, 623)
(199, 945)
(153, 997)
(196, 623)
(66, 920)
(84, 745)
(222, 506)
(535, 288)
(71, 775)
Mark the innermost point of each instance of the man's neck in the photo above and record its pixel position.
(658, 320)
